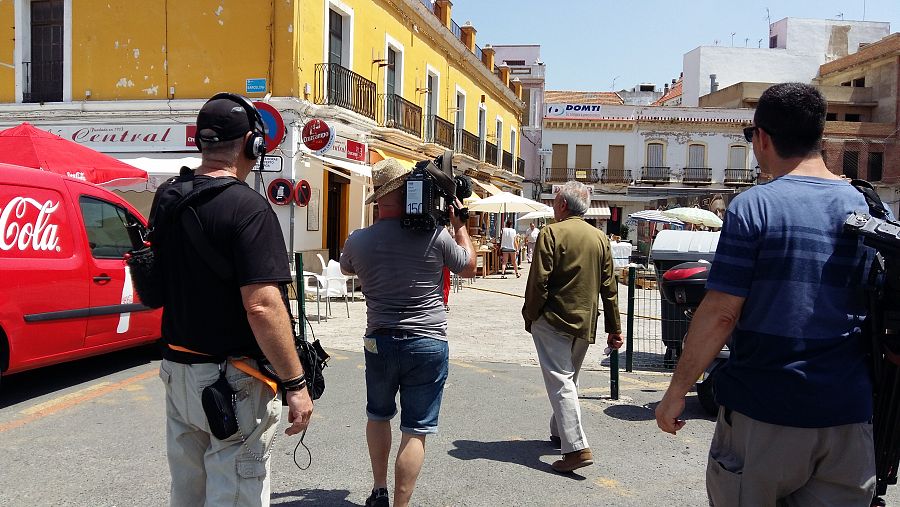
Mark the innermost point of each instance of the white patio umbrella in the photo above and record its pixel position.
(652, 215)
(531, 215)
(505, 202)
(697, 216)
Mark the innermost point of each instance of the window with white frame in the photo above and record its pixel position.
(339, 34)
(499, 135)
(512, 142)
(42, 50)
(737, 157)
(655, 155)
(696, 155)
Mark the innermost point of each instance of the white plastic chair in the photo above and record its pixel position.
(333, 284)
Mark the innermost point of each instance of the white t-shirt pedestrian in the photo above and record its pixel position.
(508, 239)
(533, 234)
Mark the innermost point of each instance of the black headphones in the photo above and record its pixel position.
(256, 144)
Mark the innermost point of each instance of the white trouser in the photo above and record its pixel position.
(207, 471)
(560, 356)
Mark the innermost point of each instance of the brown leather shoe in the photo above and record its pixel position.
(573, 461)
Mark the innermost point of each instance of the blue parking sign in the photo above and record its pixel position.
(257, 85)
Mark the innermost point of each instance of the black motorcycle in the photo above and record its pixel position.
(684, 285)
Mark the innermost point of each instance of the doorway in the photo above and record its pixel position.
(336, 214)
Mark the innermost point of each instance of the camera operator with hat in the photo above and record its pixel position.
(215, 329)
(406, 335)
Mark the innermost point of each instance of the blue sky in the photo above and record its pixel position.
(591, 44)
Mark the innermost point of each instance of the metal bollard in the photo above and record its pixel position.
(614, 374)
(629, 322)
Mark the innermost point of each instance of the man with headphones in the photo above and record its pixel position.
(215, 328)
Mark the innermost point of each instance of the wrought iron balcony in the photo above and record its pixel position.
(43, 81)
(563, 174)
(520, 166)
(399, 113)
(344, 88)
(616, 176)
(507, 161)
(697, 176)
(438, 131)
(739, 177)
(490, 153)
(468, 144)
(654, 174)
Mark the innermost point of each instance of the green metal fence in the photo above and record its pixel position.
(653, 328)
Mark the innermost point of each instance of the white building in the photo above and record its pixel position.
(525, 65)
(796, 49)
(634, 156)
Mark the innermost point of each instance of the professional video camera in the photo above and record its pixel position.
(883, 329)
(430, 190)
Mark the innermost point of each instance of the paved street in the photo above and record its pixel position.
(91, 433)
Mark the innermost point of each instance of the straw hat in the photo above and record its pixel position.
(387, 175)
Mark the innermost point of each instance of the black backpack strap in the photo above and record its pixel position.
(190, 221)
(876, 206)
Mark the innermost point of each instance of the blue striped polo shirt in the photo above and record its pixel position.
(797, 355)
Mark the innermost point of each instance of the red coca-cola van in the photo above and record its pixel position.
(65, 292)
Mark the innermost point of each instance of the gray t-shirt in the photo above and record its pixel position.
(401, 275)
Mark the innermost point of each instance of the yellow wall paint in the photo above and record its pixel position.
(372, 21)
(138, 50)
(7, 46)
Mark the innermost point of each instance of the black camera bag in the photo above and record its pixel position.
(218, 405)
(147, 259)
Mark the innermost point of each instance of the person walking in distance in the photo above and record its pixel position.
(572, 265)
(786, 285)
(530, 240)
(508, 245)
(406, 333)
(214, 327)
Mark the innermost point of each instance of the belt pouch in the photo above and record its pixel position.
(218, 404)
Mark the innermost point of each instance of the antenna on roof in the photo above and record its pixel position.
(840, 15)
(612, 86)
(769, 21)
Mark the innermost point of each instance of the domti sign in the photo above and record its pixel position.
(572, 110)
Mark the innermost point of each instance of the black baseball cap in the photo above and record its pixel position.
(222, 120)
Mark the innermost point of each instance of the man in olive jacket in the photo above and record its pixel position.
(572, 264)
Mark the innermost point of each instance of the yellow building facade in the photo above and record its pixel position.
(388, 77)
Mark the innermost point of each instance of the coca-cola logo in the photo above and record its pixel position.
(20, 234)
(317, 135)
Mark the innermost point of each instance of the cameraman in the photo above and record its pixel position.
(406, 334)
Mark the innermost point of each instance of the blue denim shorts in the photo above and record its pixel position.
(415, 366)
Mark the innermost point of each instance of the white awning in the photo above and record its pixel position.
(159, 167)
(488, 187)
(358, 169)
(600, 211)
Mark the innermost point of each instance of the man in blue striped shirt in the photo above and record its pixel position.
(796, 399)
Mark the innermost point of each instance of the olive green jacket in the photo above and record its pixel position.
(572, 264)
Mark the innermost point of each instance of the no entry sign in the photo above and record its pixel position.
(302, 193)
(280, 191)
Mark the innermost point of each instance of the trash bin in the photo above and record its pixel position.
(673, 247)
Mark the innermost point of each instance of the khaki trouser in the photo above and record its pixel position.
(207, 471)
(752, 463)
(560, 356)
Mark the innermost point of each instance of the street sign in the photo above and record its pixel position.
(280, 191)
(302, 193)
(274, 125)
(257, 85)
(271, 164)
(545, 151)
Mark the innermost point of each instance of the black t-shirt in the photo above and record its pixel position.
(203, 312)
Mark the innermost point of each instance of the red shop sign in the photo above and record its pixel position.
(317, 135)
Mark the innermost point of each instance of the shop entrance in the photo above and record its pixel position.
(336, 214)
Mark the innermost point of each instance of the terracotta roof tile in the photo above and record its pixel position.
(570, 97)
(674, 91)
